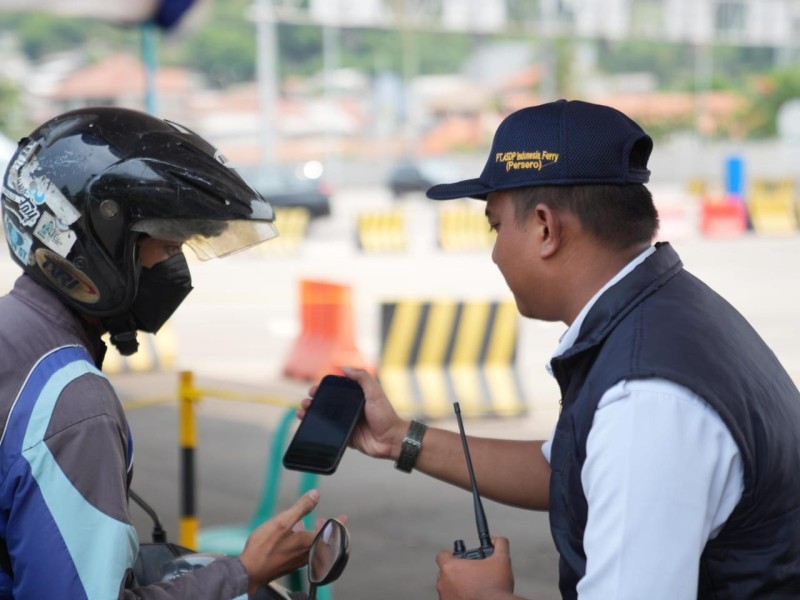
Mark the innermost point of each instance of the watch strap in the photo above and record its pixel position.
(411, 446)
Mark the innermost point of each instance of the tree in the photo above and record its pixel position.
(223, 48)
(12, 116)
(766, 95)
(40, 34)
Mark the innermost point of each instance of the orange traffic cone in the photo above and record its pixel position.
(327, 336)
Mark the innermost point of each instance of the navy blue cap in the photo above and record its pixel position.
(559, 143)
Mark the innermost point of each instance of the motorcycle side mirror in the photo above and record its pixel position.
(328, 555)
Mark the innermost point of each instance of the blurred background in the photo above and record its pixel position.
(353, 83)
(342, 112)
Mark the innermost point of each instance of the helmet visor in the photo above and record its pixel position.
(208, 238)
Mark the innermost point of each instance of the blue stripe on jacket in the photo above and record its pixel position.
(90, 551)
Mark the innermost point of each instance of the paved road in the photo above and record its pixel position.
(397, 522)
(239, 323)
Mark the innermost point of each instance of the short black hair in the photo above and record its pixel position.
(620, 216)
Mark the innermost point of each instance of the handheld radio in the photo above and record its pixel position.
(486, 548)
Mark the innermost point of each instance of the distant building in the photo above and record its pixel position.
(120, 80)
(770, 23)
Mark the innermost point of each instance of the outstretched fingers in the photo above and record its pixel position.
(280, 545)
(302, 506)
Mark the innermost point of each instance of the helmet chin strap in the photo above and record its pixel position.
(122, 332)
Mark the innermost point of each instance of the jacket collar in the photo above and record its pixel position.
(622, 297)
(47, 303)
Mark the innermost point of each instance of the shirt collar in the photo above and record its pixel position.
(571, 334)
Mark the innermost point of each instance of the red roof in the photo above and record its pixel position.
(120, 75)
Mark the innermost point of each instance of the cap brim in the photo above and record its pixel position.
(469, 188)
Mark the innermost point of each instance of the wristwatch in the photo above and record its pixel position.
(412, 444)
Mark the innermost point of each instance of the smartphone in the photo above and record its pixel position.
(321, 438)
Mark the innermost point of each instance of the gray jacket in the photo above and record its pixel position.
(65, 465)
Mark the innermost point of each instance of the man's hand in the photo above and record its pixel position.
(463, 579)
(380, 433)
(280, 545)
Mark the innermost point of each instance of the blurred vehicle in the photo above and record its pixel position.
(412, 176)
(292, 186)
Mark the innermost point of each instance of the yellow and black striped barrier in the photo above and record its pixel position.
(436, 352)
(156, 353)
(382, 231)
(292, 224)
(771, 205)
(464, 228)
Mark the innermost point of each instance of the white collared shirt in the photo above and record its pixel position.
(662, 475)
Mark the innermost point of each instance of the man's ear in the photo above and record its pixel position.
(550, 230)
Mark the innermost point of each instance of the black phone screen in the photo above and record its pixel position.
(321, 437)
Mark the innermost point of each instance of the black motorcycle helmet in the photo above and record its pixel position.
(84, 187)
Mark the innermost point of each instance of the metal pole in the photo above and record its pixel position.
(150, 60)
(187, 429)
(267, 75)
(410, 70)
(331, 50)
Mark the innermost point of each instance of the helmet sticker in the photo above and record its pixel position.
(27, 213)
(19, 242)
(66, 277)
(27, 180)
(54, 234)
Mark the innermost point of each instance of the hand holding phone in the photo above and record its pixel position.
(323, 434)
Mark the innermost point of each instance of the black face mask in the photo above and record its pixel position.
(162, 288)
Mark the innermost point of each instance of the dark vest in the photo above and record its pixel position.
(660, 321)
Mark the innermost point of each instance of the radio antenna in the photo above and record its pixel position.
(486, 548)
